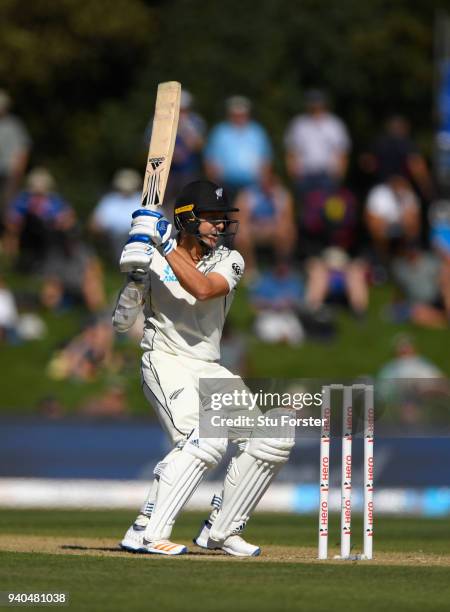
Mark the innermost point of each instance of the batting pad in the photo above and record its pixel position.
(248, 478)
(179, 478)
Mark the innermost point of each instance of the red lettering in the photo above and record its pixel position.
(325, 468)
(370, 466)
(370, 513)
(348, 467)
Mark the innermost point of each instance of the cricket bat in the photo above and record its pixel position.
(162, 142)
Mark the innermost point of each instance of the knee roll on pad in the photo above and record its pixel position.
(273, 450)
(248, 478)
(209, 450)
(179, 475)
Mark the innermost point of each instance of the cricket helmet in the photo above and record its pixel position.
(199, 197)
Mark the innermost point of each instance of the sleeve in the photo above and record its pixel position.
(17, 209)
(342, 136)
(22, 137)
(290, 136)
(266, 147)
(100, 211)
(231, 268)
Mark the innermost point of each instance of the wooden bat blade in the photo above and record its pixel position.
(164, 132)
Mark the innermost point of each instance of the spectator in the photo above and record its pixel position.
(317, 145)
(112, 403)
(395, 154)
(407, 362)
(392, 213)
(9, 316)
(15, 144)
(439, 218)
(238, 151)
(276, 297)
(72, 275)
(86, 355)
(36, 219)
(410, 382)
(422, 294)
(112, 215)
(266, 217)
(186, 162)
(330, 238)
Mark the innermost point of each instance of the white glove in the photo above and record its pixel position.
(137, 255)
(153, 224)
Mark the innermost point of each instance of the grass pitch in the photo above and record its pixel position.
(77, 552)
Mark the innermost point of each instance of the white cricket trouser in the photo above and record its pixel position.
(171, 385)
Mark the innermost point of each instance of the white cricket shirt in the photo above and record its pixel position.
(175, 321)
(316, 142)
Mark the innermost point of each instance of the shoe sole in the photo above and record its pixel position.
(167, 554)
(231, 554)
(132, 550)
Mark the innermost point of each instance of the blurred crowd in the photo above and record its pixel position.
(314, 237)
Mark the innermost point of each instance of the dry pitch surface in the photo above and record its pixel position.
(108, 547)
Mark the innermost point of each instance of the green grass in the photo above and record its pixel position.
(360, 348)
(154, 583)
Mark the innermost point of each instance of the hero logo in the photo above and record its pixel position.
(370, 513)
(325, 469)
(324, 513)
(370, 468)
(236, 269)
(348, 467)
(347, 512)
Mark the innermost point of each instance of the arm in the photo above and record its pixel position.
(419, 171)
(194, 282)
(293, 165)
(149, 229)
(341, 164)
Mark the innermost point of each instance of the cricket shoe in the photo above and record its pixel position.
(163, 547)
(234, 545)
(133, 540)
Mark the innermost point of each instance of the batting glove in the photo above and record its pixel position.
(154, 225)
(151, 223)
(137, 256)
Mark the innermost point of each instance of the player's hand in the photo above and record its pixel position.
(151, 223)
(137, 255)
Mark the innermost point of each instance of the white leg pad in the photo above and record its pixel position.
(179, 478)
(247, 480)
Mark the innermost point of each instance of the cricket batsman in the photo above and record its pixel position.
(185, 285)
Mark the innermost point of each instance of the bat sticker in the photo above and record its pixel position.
(152, 194)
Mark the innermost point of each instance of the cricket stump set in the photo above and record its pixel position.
(346, 472)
